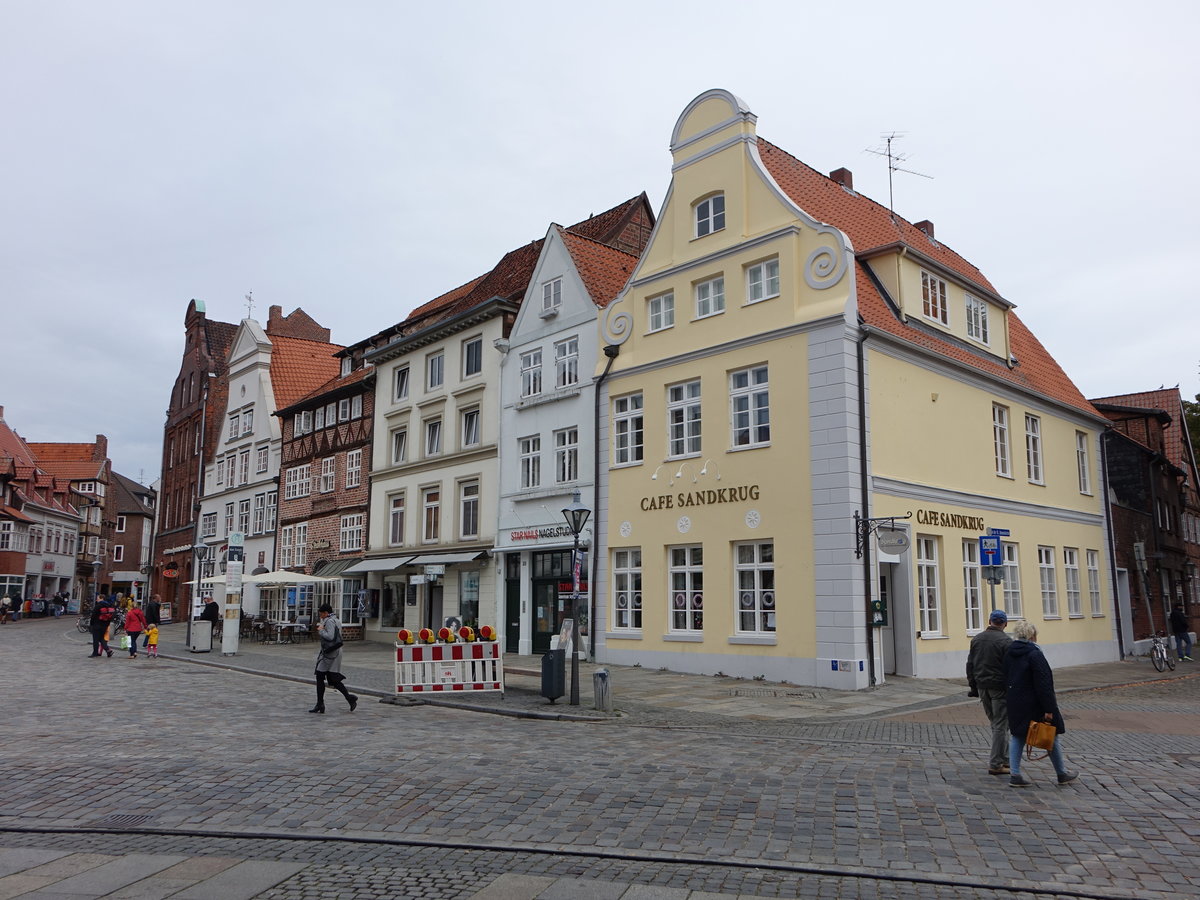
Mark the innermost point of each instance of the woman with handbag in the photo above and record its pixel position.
(329, 659)
(1031, 700)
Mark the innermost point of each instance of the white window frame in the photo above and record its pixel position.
(472, 356)
(433, 437)
(1033, 449)
(344, 409)
(531, 372)
(244, 467)
(347, 366)
(229, 518)
(933, 298)
(709, 215)
(1083, 462)
(685, 583)
(431, 514)
(754, 587)
(469, 423)
(1048, 582)
(272, 510)
(1001, 442)
(1073, 583)
(328, 474)
(762, 280)
(710, 297)
(297, 482)
(354, 468)
(552, 295)
(628, 429)
(350, 533)
(120, 524)
(435, 370)
(396, 513)
(566, 455)
(660, 312)
(208, 525)
(972, 586)
(1093, 575)
(356, 406)
(118, 553)
(243, 516)
(247, 421)
(259, 518)
(750, 408)
(929, 586)
(300, 547)
(400, 383)
(398, 445)
(627, 589)
(529, 450)
(1013, 604)
(977, 320)
(286, 538)
(262, 459)
(566, 363)
(684, 411)
(235, 430)
(468, 507)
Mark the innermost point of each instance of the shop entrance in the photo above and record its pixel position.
(552, 587)
(512, 602)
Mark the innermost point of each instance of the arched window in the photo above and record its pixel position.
(710, 215)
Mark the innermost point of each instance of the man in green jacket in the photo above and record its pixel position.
(985, 675)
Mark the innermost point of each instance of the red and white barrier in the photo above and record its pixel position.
(449, 667)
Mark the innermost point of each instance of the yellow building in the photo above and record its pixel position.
(790, 365)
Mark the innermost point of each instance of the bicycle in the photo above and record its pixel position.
(1159, 655)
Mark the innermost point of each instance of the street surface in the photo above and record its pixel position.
(167, 778)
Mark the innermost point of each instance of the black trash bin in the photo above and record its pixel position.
(554, 674)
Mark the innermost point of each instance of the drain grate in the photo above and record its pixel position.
(125, 820)
(772, 692)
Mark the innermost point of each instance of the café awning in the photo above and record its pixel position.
(378, 564)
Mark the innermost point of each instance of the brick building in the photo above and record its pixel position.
(1155, 509)
(131, 507)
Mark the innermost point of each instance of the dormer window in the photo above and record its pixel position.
(977, 319)
(933, 298)
(710, 215)
(551, 296)
(347, 365)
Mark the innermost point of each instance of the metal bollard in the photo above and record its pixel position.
(553, 674)
(600, 691)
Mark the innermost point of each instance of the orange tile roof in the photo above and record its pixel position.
(509, 278)
(332, 385)
(604, 269)
(871, 226)
(298, 366)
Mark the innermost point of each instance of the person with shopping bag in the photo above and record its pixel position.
(135, 624)
(1031, 699)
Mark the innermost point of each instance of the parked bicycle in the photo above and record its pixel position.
(1159, 654)
(116, 626)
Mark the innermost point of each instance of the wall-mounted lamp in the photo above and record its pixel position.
(707, 463)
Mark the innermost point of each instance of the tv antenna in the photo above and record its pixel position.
(249, 304)
(894, 159)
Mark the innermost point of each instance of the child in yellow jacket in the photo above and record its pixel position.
(152, 641)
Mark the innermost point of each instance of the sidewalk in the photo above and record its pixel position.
(643, 696)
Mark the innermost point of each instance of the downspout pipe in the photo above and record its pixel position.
(868, 615)
(611, 351)
(1112, 543)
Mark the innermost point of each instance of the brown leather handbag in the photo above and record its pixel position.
(1041, 736)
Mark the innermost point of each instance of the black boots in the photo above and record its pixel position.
(319, 708)
(353, 698)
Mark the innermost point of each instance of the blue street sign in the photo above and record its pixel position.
(999, 532)
(990, 553)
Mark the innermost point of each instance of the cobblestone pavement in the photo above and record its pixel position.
(167, 778)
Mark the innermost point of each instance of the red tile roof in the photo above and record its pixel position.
(870, 227)
(1177, 444)
(332, 385)
(509, 278)
(604, 269)
(298, 366)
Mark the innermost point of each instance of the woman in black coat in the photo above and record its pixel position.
(1031, 698)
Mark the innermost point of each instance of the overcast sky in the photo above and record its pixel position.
(356, 159)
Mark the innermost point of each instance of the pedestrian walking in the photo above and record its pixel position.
(152, 641)
(153, 612)
(1182, 632)
(329, 659)
(135, 624)
(985, 675)
(102, 616)
(5, 610)
(1031, 698)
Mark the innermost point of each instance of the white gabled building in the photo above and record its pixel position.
(241, 485)
(547, 427)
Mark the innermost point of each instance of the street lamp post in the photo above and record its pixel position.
(199, 551)
(576, 515)
(96, 564)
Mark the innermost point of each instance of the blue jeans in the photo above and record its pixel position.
(1017, 744)
(1183, 643)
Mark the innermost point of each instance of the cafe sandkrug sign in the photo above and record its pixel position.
(712, 497)
(949, 520)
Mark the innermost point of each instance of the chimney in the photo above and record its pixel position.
(844, 177)
(927, 227)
